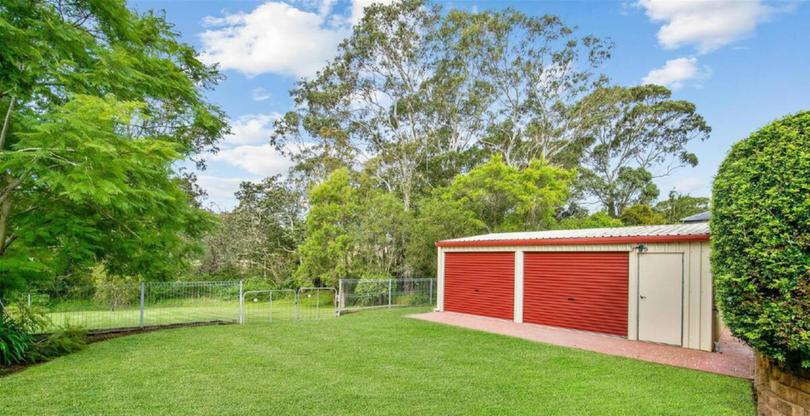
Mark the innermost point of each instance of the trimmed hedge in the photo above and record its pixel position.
(760, 227)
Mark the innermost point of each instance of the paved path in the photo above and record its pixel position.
(733, 358)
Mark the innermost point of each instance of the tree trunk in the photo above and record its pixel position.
(5, 212)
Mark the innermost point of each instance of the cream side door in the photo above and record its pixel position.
(660, 297)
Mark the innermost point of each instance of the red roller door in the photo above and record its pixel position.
(480, 283)
(585, 291)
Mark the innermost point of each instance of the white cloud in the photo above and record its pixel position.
(278, 37)
(359, 6)
(260, 94)
(676, 72)
(251, 129)
(220, 190)
(262, 160)
(706, 24)
(274, 37)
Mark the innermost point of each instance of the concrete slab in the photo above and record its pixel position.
(733, 358)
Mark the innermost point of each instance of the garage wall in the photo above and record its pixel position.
(698, 304)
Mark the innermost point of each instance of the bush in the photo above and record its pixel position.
(760, 241)
(64, 341)
(15, 342)
(371, 291)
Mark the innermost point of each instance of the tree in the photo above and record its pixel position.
(636, 134)
(642, 214)
(506, 198)
(380, 100)
(418, 96)
(98, 102)
(760, 243)
(353, 230)
(596, 220)
(259, 238)
(493, 197)
(679, 206)
(530, 71)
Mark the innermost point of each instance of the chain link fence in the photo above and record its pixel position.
(359, 294)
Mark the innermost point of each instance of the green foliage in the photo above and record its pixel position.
(258, 239)
(15, 342)
(64, 341)
(353, 230)
(437, 219)
(98, 103)
(596, 220)
(679, 206)
(493, 197)
(760, 241)
(634, 132)
(370, 291)
(506, 198)
(642, 214)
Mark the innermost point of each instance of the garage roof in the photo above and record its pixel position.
(618, 235)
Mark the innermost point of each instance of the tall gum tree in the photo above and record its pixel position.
(634, 135)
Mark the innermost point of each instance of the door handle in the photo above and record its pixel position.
(642, 297)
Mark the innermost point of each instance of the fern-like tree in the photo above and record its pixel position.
(98, 102)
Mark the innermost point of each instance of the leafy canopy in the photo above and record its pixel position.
(760, 241)
(98, 102)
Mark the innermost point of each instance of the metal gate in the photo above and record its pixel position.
(317, 302)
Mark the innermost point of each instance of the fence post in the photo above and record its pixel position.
(389, 291)
(241, 303)
(143, 297)
(340, 296)
(430, 292)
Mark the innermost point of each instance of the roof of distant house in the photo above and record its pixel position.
(699, 217)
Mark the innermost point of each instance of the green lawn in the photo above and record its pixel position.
(367, 363)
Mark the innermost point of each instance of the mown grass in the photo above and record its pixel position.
(367, 363)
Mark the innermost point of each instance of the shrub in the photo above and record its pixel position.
(64, 341)
(760, 241)
(371, 291)
(15, 342)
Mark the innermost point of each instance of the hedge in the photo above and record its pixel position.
(760, 228)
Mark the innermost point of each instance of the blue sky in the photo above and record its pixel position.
(743, 63)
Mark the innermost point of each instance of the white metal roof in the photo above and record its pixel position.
(699, 217)
(700, 228)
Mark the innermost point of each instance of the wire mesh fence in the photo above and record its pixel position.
(128, 305)
(358, 294)
(132, 305)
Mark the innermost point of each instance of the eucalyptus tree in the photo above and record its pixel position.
(391, 99)
(634, 135)
(531, 71)
(260, 237)
(98, 102)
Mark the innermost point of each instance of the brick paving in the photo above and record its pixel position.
(732, 358)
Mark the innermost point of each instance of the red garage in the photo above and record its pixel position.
(647, 282)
